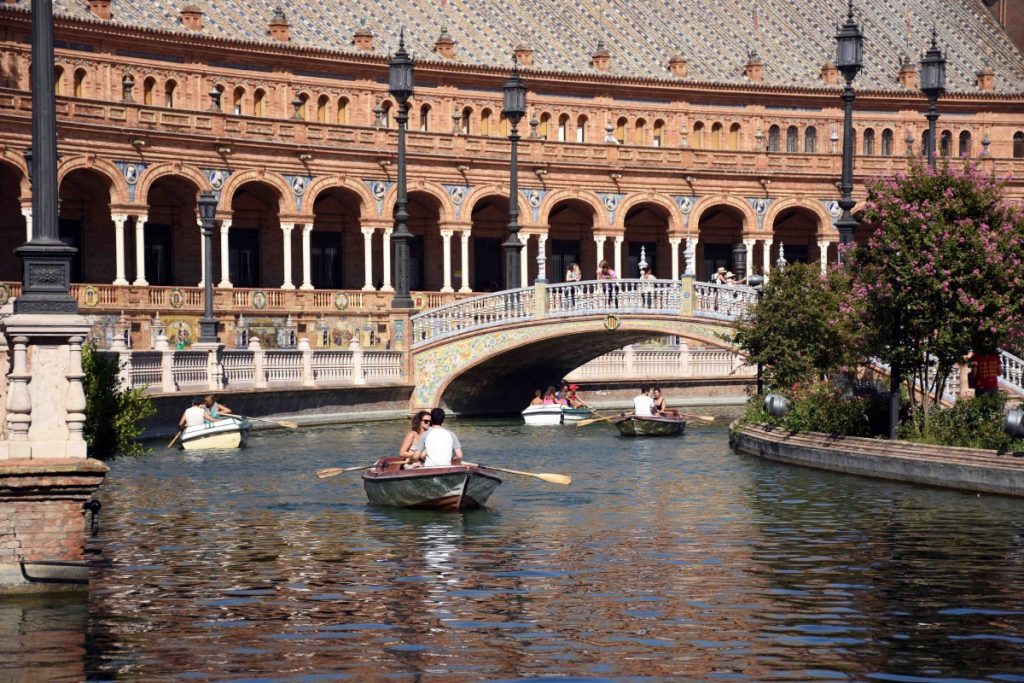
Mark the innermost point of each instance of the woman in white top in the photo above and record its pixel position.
(573, 274)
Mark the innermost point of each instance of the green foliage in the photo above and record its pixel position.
(827, 408)
(970, 423)
(112, 415)
(796, 330)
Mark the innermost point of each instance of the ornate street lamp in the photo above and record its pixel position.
(46, 272)
(207, 215)
(933, 85)
(850, 55)
(400, 84)
(514, 109)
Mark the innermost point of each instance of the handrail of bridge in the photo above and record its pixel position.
(476, 313)
(614, 296)
(1011, 371)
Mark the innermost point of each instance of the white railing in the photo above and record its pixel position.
(671, 363)
(724, 302)
(477, 313)
(1011, 372)
(146, 369)
(332, 366)
(387, 365)
(189, 368)
(614, 296)
(239, 367)
(283, 366)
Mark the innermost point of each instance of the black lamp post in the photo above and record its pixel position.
(933, 85)
(514, 110)
(757, 282)
(46, 273)
(850, 54)
(207, 213)
(400, 84)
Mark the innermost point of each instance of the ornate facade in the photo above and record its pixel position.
(629, 145)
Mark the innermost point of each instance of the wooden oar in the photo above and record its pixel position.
(706, 418)
(563, 479)
(594, 420)
(287, 424)
(335, 471)
(176, 437)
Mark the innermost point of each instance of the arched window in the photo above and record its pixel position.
(792, 139)
(620, 130)
(58, 80)
(385, 115)
(321, 109)
(503, 127)
(869, 142)
(640, 132)
(544, 127)
(239, 96)
(773, 138)
(658, 139)
(734, 136)
(810, 139)
(698, 135)
(716, 136)
(485, 122)
(1018, 145)
(965, 144)
(170, 87)
(342, 116)
(257, 102)
(148, 87)
(467, 114)
(424, 117)
(303, 110)
(946, 143)
(581, 128)
(887, 142)
(563, 127)
(79, 90)
(924, 142)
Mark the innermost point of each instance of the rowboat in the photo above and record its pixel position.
(460, 487)
(227, 432)
(542, 416)
(660, 425)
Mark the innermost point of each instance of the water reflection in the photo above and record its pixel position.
(669, 559)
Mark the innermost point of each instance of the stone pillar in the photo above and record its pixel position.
(307, 362)
(748, 244)
(619, 239)
(259, 374)
(286, 235)
(119, 220)
(225, 253)
(357, 362)
(524, 263)
(367, 258)
(167, 371)
(386, 286)
(140, 252)
(542, 256)
(673, 243)
(464, 253)
(27, 213)
(684, 359)
(307, 256)
(766, 257)
(446, 241)
(691, 256)
(823, 255)
(599, 243)
(214, 369)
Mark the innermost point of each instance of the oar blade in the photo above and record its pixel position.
(563, 479)
(288, 424)
(329, 472)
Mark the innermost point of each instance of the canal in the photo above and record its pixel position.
(665, 560)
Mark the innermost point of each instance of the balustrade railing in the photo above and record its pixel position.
(239, 367)
(189, 368)
(332, 366)
(385, 365)
(473, 314)
(673, 363)
(1012, 371)
(724, 302)
(614, 296)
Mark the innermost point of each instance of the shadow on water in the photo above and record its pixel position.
(670, 559)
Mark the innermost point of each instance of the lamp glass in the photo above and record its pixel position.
(400, 73)
(207, 206)
(515, 97)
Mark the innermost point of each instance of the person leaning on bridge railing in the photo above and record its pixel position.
(647, 288)
(573, 274)
(611, 292)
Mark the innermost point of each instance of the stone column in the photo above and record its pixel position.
(823, 255)
(140, 251)
(542, 256)
(358, 377)
(619, 239)
(524, 263)
(27, 213)
(748, 244)
(464, 253)
(673, 243)
(691, 256)
(225, 253)
(307, 256)
(286, 234)
(599, 243)
(119, 220)
(386, 285)
(367, 258)
(766, 256)
(446, 242)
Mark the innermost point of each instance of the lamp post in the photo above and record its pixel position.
(46, 272)
(850, 53)
(514, 110)
(933, 85)
(207, 213)
(400, 85)
(757, 282)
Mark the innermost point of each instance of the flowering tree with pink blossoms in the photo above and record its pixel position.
(942, 276)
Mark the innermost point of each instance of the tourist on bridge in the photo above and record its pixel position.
(573, 274)
(647, 287)
(420, 424)
(438, 447)
(721, 277)
(643, 405)
(214, 411)
(194, 415)
(611, 292)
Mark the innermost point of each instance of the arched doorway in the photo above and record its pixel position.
(646, 228)
(487, 264)
(336, 243)
(85, 223)
(720, 228)
(172, 239)
(425, 248)
(797, 229)
(12, 223)
(571, 239)
(255, 245)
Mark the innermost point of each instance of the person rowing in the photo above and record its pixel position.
(438, 446)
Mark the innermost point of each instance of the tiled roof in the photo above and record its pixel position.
(793, 37)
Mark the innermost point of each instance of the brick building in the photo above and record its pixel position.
(682, 130)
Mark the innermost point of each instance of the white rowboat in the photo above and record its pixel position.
(227, 432)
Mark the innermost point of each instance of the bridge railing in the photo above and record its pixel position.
(723, 302)
(1011, 371)
(477, 313)
(614, 296)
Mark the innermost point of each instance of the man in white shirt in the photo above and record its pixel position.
(643, 405)
(438, 447)
(193, 416)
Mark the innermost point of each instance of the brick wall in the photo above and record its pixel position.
(42, 530)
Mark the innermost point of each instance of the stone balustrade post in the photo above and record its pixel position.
(124, 368)
(686, 294)
(684, 359)
(75, 400)
(358, 378)
(629, 360)
(167, 384)
(214, 370)
(540, 300)
(307, 362)
(259, 373)
(19, 400)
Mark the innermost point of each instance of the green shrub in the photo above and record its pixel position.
(827, 408)
(970, 423)
(112, 414)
